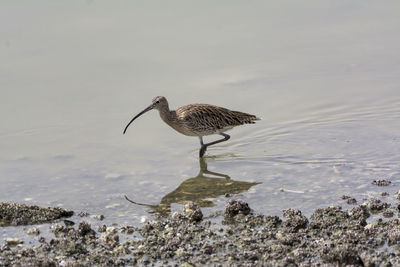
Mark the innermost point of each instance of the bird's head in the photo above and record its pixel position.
(159, 103)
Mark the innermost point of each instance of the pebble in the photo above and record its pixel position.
(33, 231)
(13, 241)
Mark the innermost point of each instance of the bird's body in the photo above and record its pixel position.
(199, 119)
(203, 119)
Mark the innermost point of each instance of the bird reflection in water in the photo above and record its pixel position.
(199, 189)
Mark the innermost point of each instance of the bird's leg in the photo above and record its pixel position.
(226, 138)
(201, 140)
(204, 146)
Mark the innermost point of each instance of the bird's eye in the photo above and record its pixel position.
(158, 101)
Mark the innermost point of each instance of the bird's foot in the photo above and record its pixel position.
(202, 151)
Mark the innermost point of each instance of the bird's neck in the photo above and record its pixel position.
(168, 116)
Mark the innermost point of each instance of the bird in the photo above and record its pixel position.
(198, 120)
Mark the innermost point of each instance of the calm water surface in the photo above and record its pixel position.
(324, 77)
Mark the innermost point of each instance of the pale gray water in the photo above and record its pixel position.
(323, 75)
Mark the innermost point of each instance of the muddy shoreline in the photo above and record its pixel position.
(331, 236)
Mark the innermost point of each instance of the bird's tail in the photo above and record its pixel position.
(252, 119)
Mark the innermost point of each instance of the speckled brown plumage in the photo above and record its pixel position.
(199, 119)
(203, 119)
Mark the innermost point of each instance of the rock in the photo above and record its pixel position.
(329, 217)
(192, 211)
(102, 228)
(13, 241)
(349, 200)
(57, 229)
(207, 249)
(22, 214)
(331, 237)
(68, 223)
(120, 250)
(98, 217)
(394, 236)
(381, 182)
(359, 214)
(84, 229)
(128, 230)
(177, 216)
(388, 213)
(294, 220)
(375, 205)
(235, 207)
(341, 255)
(33, 231)
(110, 237)
(369, 260)
(83, 214)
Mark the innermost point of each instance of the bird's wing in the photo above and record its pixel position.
(209, 117)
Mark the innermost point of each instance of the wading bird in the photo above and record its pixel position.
(199, 120)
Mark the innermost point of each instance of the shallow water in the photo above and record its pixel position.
(323, 75)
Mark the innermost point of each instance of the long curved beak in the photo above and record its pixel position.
(138, 115)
